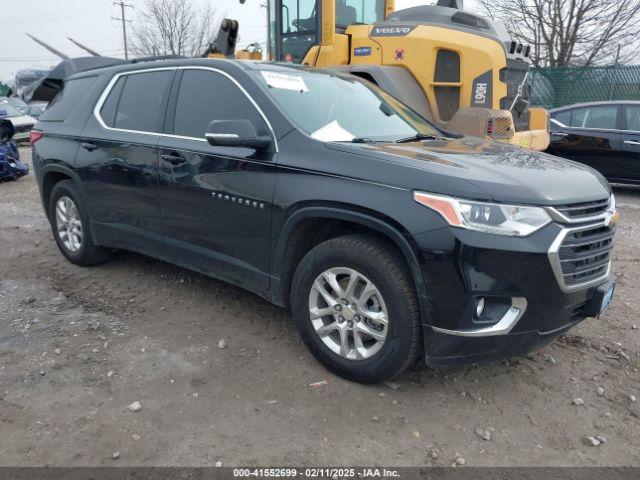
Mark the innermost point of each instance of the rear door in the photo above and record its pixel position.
(216, 201)
(629, 169)
(588, 135)
(118, 161)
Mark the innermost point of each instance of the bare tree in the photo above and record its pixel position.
(570, 32)
(170, 27)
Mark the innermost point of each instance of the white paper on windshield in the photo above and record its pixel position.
(332, 132)
(284, 81)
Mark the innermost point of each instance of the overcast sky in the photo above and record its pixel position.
(90, 23)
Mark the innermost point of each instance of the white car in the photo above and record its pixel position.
(22, 123)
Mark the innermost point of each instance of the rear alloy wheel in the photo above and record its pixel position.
(353, 303)
(70, 225)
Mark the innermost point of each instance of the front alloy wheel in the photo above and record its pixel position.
(353, 302)
(348, 313)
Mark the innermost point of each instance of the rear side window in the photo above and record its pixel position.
(205, 96)
(140, 102)
(67, 99)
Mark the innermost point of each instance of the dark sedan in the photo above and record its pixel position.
(603, 135)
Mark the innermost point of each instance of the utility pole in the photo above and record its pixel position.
(124, 24)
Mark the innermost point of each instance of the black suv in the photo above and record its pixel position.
(387, 238)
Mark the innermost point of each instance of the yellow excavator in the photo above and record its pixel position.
(460, 70)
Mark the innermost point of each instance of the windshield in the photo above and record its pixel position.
(7, 110)
(335, 108)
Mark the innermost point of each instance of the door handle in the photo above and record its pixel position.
(89, 146)
(631, 142)
(559, 134)
(173, 159)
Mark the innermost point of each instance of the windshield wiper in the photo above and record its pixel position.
(418, 136)
(362, 140)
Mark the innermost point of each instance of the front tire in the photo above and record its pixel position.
(355, 308)
(70, 225)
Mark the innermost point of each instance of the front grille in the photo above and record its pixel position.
(578, 211)
(584, 254)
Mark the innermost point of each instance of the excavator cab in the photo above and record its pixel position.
(297, 25)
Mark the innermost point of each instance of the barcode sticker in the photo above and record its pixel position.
(284, 81)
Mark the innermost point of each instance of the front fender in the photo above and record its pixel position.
(392, 232)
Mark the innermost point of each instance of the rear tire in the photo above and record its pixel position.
(71, 227)
(343, 327)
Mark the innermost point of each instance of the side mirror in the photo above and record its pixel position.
(236, 133)
(3, 112)
(7, 130)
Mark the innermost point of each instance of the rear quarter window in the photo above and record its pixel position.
(110, 106)
(67, 99)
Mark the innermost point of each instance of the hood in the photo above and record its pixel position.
(505, 173)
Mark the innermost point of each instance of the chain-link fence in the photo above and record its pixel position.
(558, 86)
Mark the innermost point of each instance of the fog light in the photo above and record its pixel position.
(480, 307)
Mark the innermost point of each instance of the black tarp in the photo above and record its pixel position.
(48, 87)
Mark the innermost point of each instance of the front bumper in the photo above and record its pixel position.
(461, 266)
(445, 349)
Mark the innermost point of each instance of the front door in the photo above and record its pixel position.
(588, 135)
(629, 165)
(215, 201)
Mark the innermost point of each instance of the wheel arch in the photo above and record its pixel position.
(284, 263)
(51, 175)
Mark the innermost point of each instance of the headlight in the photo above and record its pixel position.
(512, 220)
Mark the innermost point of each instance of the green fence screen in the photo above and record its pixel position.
(558, 86)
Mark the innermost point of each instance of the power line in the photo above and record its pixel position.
(124, 24)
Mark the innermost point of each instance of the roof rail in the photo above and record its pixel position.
(160, 57)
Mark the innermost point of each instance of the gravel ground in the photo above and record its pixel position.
(78, 346)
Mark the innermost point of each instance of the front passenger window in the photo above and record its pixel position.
(205, 96)
(599, 117)
(633, 118)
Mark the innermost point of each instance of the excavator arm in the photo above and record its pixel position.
(224, 45)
